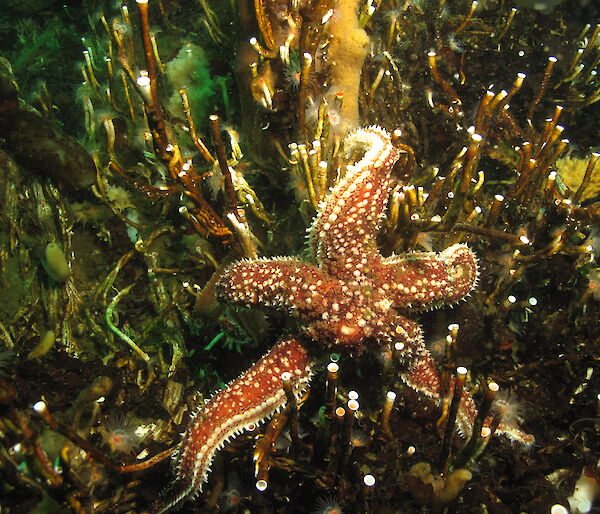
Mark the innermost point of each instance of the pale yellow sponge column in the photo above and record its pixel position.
(348, 47)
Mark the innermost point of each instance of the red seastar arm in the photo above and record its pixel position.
(423, 377)
(426, 280)
(343, 233)
(281, 283)
(254, 396)
(422, 374)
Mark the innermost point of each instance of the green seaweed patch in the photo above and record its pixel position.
(190, 70)
(45, 344)
(56, 264)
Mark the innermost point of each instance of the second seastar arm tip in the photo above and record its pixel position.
(462, 266)
(423, 280)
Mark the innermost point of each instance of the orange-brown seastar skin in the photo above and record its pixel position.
(350, 296)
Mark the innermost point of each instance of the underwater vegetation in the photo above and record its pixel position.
(300, 256)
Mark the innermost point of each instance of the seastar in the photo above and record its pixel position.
(350, 296)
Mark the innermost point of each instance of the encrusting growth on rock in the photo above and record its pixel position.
(348, 48)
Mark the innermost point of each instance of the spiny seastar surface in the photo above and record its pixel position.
(351, 296)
